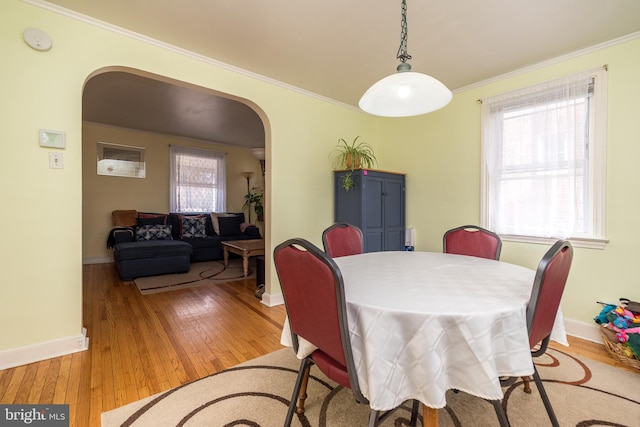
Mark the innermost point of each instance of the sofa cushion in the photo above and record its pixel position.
(151, 249)
(158, 220)
(148, 218)
(230, 226)
(214, 220)
(153, 232)
(199, 243)
(193, 227)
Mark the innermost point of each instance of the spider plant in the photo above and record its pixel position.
(350, 156)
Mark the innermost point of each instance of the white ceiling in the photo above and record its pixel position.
(338, 48)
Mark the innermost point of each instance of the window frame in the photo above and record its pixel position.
(120, 160)
(596, 186)
(177, 150)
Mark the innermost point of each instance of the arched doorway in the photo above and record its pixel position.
(134, 108)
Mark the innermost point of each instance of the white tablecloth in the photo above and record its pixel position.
(422, 323)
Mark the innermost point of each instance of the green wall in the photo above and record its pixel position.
(42, 243)
(41, 290)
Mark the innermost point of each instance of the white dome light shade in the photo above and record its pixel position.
(405, 94)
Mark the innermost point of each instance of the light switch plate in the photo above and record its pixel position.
(56, 161)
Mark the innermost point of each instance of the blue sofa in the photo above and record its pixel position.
(167, 243)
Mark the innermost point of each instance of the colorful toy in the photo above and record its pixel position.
(602, 318)
(625, 323)
(622, 334)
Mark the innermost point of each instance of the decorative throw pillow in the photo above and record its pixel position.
(153, 232)
(181, 217)
(214, 220)
(230, 225)
(193, 227)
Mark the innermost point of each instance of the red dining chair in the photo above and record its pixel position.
(472, 240)
(342, 239)
(313, 292)
(548, 287)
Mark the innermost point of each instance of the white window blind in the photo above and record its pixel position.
(197, 180)
(543, 152)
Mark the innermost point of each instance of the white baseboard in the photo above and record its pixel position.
(586, 331)
(272, 300)
(42, 351)
(97, 260)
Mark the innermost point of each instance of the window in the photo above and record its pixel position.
(120, 160)
(197, 180)
(544, 160)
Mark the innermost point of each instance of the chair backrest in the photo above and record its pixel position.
(548, 287)
(472, 240)
(342, 239)
(313, 293)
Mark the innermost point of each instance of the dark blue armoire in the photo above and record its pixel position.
(376, 205)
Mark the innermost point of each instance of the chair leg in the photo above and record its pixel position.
(545, 398)
(305, 365)
(527, 386)
(502, 417)
(302, 395)
(374, 418)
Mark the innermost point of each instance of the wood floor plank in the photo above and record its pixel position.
(16, 375)
(49, 381)
(143, 344)
(5, 380)
(62, 381)
(78, 402)
(26, 389)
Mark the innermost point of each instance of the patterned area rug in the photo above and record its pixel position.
(200, 273)
(256, 393)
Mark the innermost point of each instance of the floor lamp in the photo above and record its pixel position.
(248, 176)
(260, 155)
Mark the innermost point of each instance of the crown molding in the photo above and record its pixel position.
(157, 43)
(180, 51)
(552, 61)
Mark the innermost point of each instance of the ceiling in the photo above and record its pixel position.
(140, 102)
(338, 48)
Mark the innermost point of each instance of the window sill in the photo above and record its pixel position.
(575, 241)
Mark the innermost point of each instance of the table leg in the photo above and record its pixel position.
(245, 265)
(225, 255)
(302, 396)
(430, 416)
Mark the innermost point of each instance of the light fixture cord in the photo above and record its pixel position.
(402, 50)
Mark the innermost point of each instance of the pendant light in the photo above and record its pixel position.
(405, 93)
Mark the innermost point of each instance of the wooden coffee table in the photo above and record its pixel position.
(244, 248)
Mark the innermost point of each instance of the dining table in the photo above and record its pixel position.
(422, 323)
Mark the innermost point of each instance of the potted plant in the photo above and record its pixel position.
(258, 206)
(255, 198)
(350, 156)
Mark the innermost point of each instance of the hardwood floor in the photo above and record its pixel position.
(141, 345)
